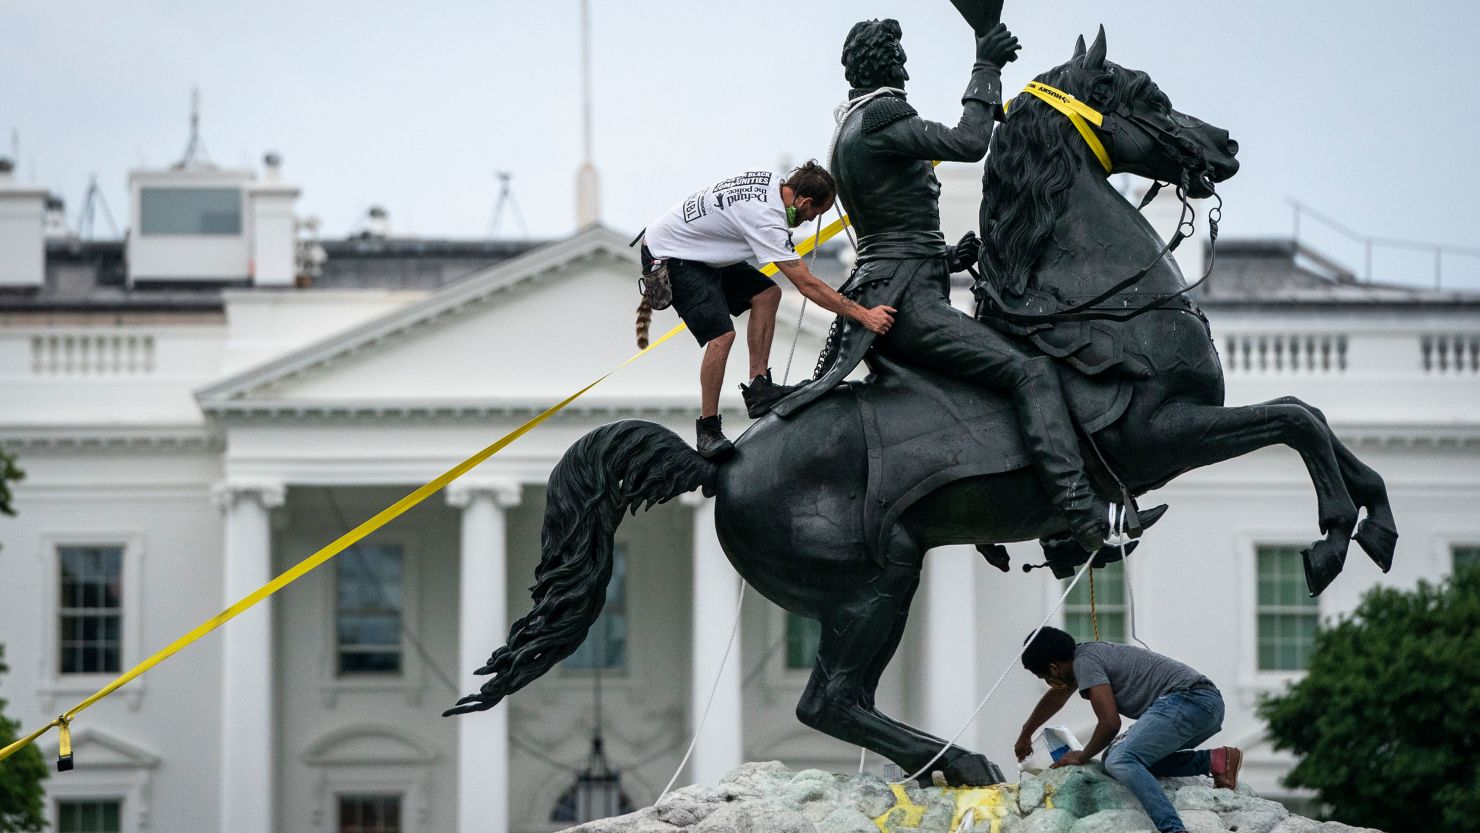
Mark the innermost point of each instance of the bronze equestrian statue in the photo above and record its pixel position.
(829, 510)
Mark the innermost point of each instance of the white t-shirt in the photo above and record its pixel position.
(737, 219)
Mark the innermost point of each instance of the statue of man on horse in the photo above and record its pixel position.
(882, 160)
(962, 434)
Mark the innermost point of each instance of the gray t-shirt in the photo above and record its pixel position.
(1136, 676)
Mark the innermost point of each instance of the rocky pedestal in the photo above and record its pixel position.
(769, 798)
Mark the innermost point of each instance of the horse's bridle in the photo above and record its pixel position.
(1191, 160)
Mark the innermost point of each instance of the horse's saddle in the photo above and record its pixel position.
(925, 430)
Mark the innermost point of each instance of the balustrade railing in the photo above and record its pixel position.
(1311, 353)
(1451, 353)
(92, 354)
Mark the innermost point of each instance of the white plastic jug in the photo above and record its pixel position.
(1049, 744)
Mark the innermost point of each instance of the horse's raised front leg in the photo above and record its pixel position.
(1198, 435)
(1378, 532)
(858, 640)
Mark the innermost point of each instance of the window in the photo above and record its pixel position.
(1287, 615)
(89, 816)
(606, 643)
(1466, 557)
(590, 798)
(368, 611)
(190, 211)
(91, 610)
(1109, 604)
(369, 814)
(803, 635)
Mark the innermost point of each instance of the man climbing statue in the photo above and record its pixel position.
(701, 247)
(882, 160)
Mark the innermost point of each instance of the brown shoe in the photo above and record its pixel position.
(1226, 763)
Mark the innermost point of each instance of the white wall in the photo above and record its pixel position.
(156, 501)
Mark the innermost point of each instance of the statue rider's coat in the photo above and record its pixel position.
(883, 164)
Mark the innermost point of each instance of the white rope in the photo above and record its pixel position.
(846, 109)
(979, 706)
(739, 603)
(1130, 598)
(802, 313)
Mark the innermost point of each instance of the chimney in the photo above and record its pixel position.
(377, 223)
(274, 228)
(56, 218)
(22, 231)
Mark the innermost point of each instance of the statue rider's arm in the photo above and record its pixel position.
(877, 319)
(919, 138)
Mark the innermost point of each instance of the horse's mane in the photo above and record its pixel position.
(1032, 165)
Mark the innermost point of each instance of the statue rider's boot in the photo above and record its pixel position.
(1049, 430)
(762, 393)
(713, 444)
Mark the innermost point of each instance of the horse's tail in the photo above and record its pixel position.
(627, 465)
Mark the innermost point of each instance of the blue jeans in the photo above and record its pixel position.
(1161, 745)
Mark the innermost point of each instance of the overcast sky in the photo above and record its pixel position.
(1365, 111)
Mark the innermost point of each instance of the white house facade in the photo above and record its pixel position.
(186, 437)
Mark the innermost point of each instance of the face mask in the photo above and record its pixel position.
(791, 216)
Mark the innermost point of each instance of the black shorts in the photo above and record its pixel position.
(706, 297)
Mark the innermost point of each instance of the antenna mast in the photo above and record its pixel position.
(90, 205)
(195, 152)
(588, 185)
(506, 199)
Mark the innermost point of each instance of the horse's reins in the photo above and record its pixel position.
(1081, 116)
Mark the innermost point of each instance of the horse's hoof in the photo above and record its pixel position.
(963, 769)
(1148, 517)
(996, 555)
(1323, 563)
(1379, 541)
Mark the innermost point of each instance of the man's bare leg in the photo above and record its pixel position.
(761, 329)
(712, 372)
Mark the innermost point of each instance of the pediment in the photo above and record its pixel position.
(96, 749)
(525, 333)
(366, 744)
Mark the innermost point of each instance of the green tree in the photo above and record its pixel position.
(1385, 721)
(21, 775)
(9, 473)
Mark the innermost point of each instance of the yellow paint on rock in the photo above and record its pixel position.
(984, 803)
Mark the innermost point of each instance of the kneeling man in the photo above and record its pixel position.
(1175, 709)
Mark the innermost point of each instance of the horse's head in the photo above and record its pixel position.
(1143, 134)
(1037, 153)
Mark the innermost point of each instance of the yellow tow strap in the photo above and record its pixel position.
(303, 567)
(349, 539)
(1079, 113)
(806, 246)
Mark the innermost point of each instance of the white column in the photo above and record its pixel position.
(483, 622)
(716, 586)
(247, 726)
(949, 645)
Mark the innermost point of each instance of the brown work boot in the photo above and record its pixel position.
(762, 393)
(1226, 762)
(713, 443)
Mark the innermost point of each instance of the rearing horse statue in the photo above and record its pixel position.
(800, 509)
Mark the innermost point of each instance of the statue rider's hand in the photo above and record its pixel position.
(878, 319)
(997, 47)
(965, 253)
